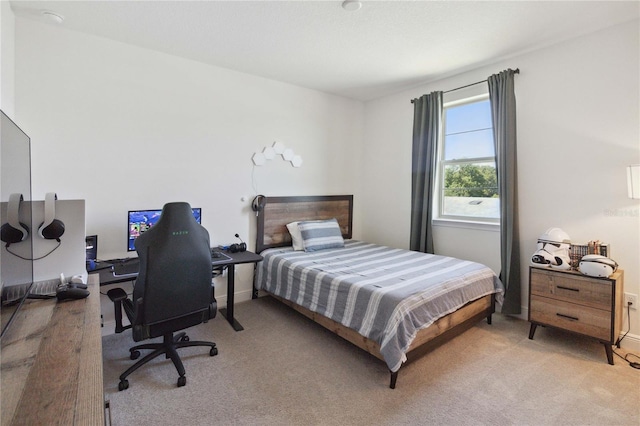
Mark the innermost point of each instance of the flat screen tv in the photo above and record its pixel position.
(16, 264)
(141, 220)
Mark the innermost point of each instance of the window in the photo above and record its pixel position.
(467, 180)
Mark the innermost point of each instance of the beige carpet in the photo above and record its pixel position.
(285, 370)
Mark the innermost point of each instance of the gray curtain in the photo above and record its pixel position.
(503, 111)
(427, 124)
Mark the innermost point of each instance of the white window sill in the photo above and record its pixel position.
(467, 224)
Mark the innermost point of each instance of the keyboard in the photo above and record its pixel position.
(129, 267)
(217, 256)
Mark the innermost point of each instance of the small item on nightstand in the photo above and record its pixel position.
(595, 265)
(553, 250)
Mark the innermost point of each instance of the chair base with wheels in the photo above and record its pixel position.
(168, 347)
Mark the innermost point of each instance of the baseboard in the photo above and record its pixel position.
(631, 342)
(523, 315)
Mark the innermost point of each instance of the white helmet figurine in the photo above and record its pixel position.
(553, 249)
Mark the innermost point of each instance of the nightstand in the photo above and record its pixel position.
(578, 303)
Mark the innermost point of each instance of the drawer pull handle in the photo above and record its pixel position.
(568, 317)
(569, 288)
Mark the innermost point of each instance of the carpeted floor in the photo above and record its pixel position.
(285, 370)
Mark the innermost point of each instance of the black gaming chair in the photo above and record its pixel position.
(173, 290)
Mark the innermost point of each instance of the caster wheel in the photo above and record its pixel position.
(124, 384)
(182, 381)
(185, 338)
(134, 355)
(213, 352)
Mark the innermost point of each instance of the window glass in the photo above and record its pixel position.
(467, 179)
(473, 144)
(468, 116)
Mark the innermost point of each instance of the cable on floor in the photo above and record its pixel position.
(633, 364)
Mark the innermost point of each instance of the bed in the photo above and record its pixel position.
(393, 303)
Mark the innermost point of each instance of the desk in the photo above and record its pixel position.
(52, 363)
(107, 278)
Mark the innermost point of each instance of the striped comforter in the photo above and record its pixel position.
(385, 294)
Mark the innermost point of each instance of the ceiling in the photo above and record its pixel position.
(382, 48)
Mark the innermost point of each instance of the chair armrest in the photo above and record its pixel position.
(119, 297)
(117, 294)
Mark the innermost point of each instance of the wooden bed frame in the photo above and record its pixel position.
(273, 215)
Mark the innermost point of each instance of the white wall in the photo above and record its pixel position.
(128, 128)
(578, 129)
(7, 58)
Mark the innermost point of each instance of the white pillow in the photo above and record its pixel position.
(296, 236)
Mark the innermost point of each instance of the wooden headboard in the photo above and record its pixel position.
(275, 212)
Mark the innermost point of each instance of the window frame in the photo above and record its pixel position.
(439, 217)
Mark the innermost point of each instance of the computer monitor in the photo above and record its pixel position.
(142, 220)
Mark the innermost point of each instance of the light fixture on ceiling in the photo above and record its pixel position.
(52, 16)
(633, 181)
(351, 5)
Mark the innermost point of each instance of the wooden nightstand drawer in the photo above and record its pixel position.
(587, 291)
(586, 305)
(580, 319)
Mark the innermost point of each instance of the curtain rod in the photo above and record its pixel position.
(516, 71)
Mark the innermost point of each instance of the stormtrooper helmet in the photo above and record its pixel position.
(553, 249)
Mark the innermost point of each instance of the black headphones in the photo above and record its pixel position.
(14, 231)
(51, 228)
(258, 203)
(236, 248)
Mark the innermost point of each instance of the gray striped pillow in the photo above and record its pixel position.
(321, 234)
